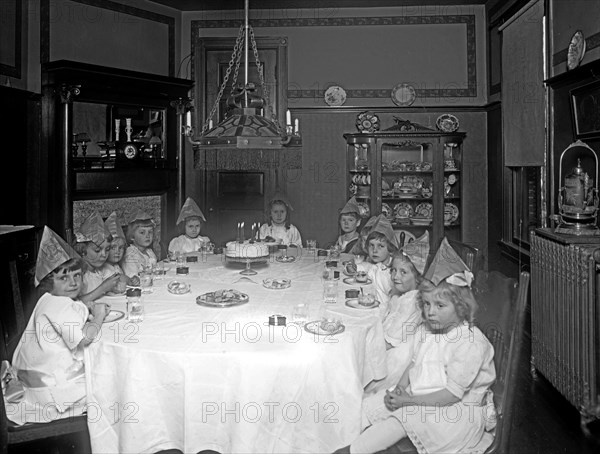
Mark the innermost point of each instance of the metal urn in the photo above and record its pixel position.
(578, 197)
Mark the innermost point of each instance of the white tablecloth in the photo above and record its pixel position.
(191, 377)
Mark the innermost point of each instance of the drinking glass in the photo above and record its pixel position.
(146, 281)
(330, 290)
(300, 314)
(159, 270)
(135, 309)
(311, 245)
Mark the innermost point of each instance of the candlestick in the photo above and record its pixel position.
(288, 118)
(296, 126)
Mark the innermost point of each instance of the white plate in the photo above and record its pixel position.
(276, 284)
(353, 303)
(404, 95)
(178, 288)
(352, 281)
(222, 298)
(576, 50)
(335, 96)
(315, 328)
(120, 296)
(286, 259)
(113, 316)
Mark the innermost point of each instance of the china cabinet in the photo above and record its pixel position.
(111, 133)
(412, 176)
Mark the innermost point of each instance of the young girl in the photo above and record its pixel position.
(349, 222)
(402, 321)
(92, 242)
(279, 226)
(443, 401)
(139, 254)
(49, 357)
(117, 252)
(191, 218)
(381, 243)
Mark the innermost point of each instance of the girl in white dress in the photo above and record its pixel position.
(381, 244)
(92, 242)
(402, 321)
(279, 227)
(443, 401)
(116, 253)
(139, 255)
(48, 361)
(191, 219)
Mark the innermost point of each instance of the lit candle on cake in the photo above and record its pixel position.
(238, 233)
(242, 231)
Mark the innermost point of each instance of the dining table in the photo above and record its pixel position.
(233, 379)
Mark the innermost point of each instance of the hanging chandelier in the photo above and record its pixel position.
(249, 124)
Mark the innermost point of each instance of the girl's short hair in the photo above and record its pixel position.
(119, 238)
(353, 214)
(461, 297)
(272, 203)
(47, 283)
(136, 225)
(401, 256)
(181, 225)
(81, 246)
(391, 247)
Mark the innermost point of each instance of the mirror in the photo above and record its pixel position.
(95, 133)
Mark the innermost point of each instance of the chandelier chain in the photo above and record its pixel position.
(226, 78)
(238, 59)
(263, 84)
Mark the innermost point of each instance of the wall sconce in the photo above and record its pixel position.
(184, 109)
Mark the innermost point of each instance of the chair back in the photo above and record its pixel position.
(471, 255)
(501, 317)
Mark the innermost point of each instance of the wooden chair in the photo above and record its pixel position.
(501, 317)
(472, 256)
(12, 325)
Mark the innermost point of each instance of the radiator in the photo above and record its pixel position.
(565, 320)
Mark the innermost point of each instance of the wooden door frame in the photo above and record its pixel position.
(214, 44)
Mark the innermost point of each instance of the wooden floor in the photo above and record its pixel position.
(544, 421)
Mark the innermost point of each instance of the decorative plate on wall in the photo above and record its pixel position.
(367, 122)
(576, 50)
(335, 96)
(447, 123)
(404, 95)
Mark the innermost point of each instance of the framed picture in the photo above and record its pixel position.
(585, 102)
(10, 38)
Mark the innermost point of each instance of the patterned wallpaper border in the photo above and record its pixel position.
(471, 46)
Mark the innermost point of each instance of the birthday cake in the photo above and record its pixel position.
(246, 249)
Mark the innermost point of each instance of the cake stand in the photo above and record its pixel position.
(248, 271)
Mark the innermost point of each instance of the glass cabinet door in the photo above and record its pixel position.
(452, 188)
(407, 185)
(362, 184)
